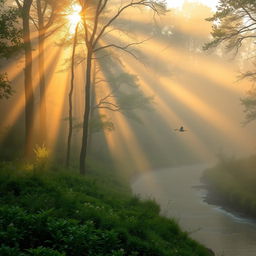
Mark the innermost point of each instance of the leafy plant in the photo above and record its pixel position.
(42, 156)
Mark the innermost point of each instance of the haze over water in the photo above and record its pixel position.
(175, 189)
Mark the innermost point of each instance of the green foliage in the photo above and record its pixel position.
(234, 26)
(233, 183)
(10, 30)
(42, 156)
(5, 87)
(233, 23)
(57, 213)
(249, 103)
(97, 124)
(10, 42)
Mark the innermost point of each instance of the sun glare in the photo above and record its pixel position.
(74, 17)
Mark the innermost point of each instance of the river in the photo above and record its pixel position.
(179, 193)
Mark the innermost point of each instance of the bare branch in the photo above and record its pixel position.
(45, 8)
(100, 81)
(19, 4)
(120, 11)
(109, 108)
(50, 21)
(121, 47)
(103, 6)
(34, 22)
(249, 14)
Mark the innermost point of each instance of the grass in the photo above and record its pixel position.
(232, 183)
(50, 212)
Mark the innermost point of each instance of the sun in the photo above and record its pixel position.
(74, 17)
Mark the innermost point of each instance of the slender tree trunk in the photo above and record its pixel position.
(42, 87)
(70, 95)
(83, 152)
(90, 133)
(29, 95)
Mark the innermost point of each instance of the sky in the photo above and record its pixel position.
(179, 3)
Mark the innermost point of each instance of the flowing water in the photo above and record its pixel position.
(178, 192)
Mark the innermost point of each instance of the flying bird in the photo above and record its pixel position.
(181, 129)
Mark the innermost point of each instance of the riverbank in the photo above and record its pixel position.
(179, 192)
(231, 184)
(54, 212)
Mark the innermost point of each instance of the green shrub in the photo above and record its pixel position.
(233, 183)
(60, 213)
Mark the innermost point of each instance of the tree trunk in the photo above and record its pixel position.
(93, 100)
(29, 95)
(42, 89)
(70, 117)
(83, 153)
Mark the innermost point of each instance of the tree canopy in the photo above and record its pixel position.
(233, 23)
(234, 26)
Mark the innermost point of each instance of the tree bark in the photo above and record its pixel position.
(70, 118)
(83, 153)
(29, 95)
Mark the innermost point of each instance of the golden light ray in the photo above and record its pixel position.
(17, 109)
(172, 118)
(15, 68)
(163, 53)
(122, 143)
(128, 140)
(193, 142)
(57, 85)
(162, 107)
(221, 122)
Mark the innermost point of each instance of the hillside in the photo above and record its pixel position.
(56, 213)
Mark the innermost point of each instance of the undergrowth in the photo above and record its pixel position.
(51, 212)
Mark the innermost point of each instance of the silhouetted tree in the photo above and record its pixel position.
(234, 26)
(96, 23)
(24, 8)
(70, 96)
(233, 23)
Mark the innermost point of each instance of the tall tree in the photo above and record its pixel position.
(25, 7)
(96, 23)
(70, 97)
(45, 21)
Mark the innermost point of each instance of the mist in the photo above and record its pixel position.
(188, 86)
(130, 117)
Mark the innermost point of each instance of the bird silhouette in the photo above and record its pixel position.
(181, 129)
